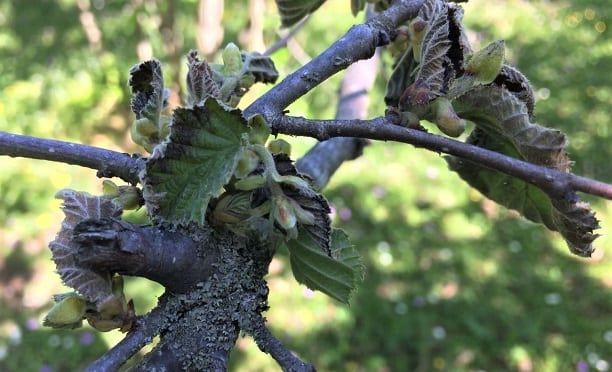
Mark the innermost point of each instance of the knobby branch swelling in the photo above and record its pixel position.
(360, 42)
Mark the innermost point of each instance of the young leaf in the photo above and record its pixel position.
(401, 77)
(78, 206)
(503, 125)
(200, 80)
(292, 11)
(336, 277)
(148, 95)
(194, 163)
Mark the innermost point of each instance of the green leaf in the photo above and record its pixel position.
(148, 95)
(401, 77)
(336, 277)
(292, 11)
(503, 126)
(95, 286)
(196, 161)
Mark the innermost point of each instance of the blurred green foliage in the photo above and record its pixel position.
(453, 282)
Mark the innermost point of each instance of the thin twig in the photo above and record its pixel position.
(358, 43)
(271, 345)
(282, 42)
(146, 327)
(555, 183)
(108, 163)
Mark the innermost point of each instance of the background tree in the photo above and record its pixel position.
(439, 219)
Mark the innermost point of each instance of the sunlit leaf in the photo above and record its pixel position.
(194, 163)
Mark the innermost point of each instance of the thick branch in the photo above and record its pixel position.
(555, 183)
(169, 258)
(145, 328)
(108, 163)
(358, 43)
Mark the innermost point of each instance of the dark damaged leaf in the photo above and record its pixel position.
(200, 80)
(78, 206)
(148, 95)
(260, 66)
(292, 11)
(503, 126)
(314, 203)
(194, 163)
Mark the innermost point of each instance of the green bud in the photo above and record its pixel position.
(129, 197)
(246, 81)
(232, 208)
(446, 118)
(279, 146)
(486, 63)
(250, 183)
(109, 188)
(417, 29)
(67, 313)
(247, 163)
(117, 285)
(409, 119)
(232, 59)
(145, 127)
(283, 212)
(259, 130)
(303, 216)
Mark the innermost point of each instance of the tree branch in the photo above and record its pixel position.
(145, 328)
(557, 184)
(271, 345)
(108, 163)
(358, 43)
(282, 42)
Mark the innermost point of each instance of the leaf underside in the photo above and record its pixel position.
(194, 163)
(503, 126)
(78, 206)
(337, 277)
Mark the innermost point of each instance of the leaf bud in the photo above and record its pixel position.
(109, 188)
(446, 118)
(129, 197)
(232, 208)
(303, 216)
(259, 130)
(486, 63)
(247, 163)
(246, 81)
(67, 313)
(279, 146)
(250, 183)
(232, 59)
(283, 212)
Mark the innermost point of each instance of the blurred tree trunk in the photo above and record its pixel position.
(210, 29)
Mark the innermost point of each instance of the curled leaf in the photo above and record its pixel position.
(148, 95)
(200, 80)
(503, 125)
(260, 67)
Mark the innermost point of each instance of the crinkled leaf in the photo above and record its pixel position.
(336, 277)
(503, 125)
(200, 80)
(292, 11)
(148, 95)
(313, 202)
(436, 44)
(517, 84)
(78, 206)
(401, 78)
(194, 163)
(260, 66)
